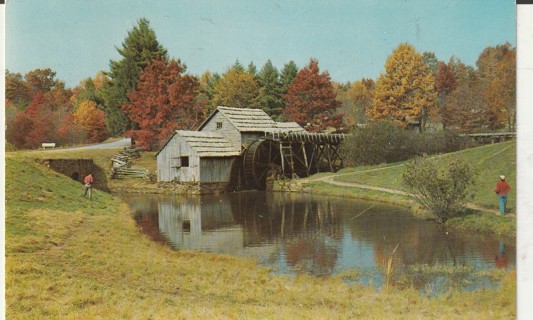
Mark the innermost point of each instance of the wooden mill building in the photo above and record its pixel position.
(237, 148)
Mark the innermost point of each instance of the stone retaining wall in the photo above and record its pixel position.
(175, 188)
(77, 169)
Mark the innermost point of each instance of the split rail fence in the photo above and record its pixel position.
(121, 165)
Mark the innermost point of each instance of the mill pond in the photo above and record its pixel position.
(325, 236)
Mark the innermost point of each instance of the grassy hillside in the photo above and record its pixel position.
(490, 162)
(71, 258)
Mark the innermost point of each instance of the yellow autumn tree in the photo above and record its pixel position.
(405, 92)
(361, 93)
(92, 120)
(237, 89)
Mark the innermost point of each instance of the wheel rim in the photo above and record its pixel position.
(262, 155)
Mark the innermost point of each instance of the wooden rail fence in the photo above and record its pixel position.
(121, 165)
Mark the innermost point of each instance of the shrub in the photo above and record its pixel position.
(385, 142)
(439, 184)
(377, 143)
(443, 141)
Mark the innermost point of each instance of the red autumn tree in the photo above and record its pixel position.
(163, 101)
(42, 104)
(311, 100)
(43, 117)
(497, 67)
(37, 104)
(69, 132)
(17, 130)
(465, 108)
(37, 122)
(445, 83)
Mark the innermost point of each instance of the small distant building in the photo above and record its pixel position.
(236, 146)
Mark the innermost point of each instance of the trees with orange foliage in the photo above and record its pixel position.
(361, 93)
(69, 132)
(92, 120)
(17, 91)
(39, 109)
(37, 122)
(17, 130)
(445, 83)
(465, 108)
(311, 100)
(497, 67)
(45, 112)
(42, 80)
(163, 101)
(405, 92)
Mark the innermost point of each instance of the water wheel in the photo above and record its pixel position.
(260, 160)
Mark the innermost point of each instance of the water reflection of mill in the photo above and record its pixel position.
(317, 236)
(255, 225)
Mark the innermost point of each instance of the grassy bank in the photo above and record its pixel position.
(490, 161)
(71, 258)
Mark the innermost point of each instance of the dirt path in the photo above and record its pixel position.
(330, 179)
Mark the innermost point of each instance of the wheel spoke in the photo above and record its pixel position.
(261, 177)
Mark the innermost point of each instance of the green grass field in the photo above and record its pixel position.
(490, 162)
(71, 258)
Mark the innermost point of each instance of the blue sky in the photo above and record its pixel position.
(350, 39)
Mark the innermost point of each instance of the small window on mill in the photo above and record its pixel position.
(184, 161)
(219, 125)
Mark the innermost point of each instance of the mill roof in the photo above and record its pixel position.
(289, 126)
(209, 144)
(252, 120)
(206, 143)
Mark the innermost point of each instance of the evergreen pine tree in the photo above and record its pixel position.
(270, 98)
(138, 50)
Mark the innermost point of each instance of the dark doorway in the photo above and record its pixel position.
(186, 226)
(75, 176)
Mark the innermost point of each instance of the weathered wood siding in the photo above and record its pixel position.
(249, 137)
(169, 166)
(188, 225)
(216, 169)
(228, 130)
(209, 169)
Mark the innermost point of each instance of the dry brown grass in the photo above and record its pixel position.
(71, 258)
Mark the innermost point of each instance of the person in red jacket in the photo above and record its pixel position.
(88, 181)
(502, 189)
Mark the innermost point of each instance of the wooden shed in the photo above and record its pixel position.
(195, 156)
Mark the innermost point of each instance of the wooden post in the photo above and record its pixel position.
(307, 169)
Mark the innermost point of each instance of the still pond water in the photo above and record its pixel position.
(295, 233)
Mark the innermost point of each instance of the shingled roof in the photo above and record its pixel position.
(208, 144)
(253, 120)
(288, 126)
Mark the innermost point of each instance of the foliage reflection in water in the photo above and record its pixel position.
(293, 233)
